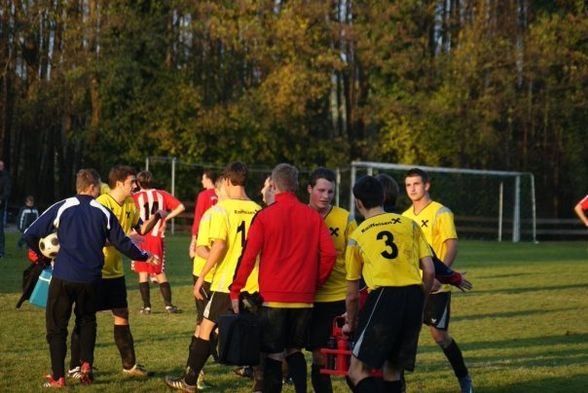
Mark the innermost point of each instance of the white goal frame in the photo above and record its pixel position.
(369, 166)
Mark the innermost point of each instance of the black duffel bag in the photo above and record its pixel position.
(239, 339)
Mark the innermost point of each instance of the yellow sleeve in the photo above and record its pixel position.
(353, 261)
(219, 224)
(446, 226)
(203, 230)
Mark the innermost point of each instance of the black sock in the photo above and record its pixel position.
(124, 342)
(392, 386)
(199, 352)
(272, 376)
(75, 349)
(166, 293)
(145, 293)
(321, 383)
(297, 371)
(369, 385)
(453, 354)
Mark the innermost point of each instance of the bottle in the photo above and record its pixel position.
(342, 361)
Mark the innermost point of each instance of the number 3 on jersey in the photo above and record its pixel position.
(389, 242)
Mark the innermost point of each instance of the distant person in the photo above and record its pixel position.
(580, 209)
(150, 201)
(27, 214)
(296, 257)
(204, 201)
(83, 226)
(5, 188)
(436, 222)
(390, 253)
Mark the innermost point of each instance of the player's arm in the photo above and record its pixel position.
(351, 305)
(426, 265)
(451, 252)
(217, 253)
(580, 212)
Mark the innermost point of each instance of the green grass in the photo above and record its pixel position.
(524, 327)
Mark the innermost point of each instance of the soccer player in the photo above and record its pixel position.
(205, 199)
(229, 225)
(389, 252)
(112, 290)
(436, 222)
(83, 227)
(296, 257)
(329, 300)
(580, 209)
(150, 201)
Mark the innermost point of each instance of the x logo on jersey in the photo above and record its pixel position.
(128, 214)
(396, 221)
(334, 231)
(424, 223)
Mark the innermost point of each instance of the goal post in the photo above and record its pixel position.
(369, 167)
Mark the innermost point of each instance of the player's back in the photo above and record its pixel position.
(149, 201)
(390, 246)
(230, 221)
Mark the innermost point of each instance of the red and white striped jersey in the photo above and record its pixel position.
(150, 201)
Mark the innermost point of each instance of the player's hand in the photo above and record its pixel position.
(436, 286)
(162, 214)
(235, 305)
(197, 286)
(347, 329)
(465, 284)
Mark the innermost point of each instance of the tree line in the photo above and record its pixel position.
(490, 84)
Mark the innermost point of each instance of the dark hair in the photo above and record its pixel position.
(209, 173)
(86, 178)
(369, 191)
(145, 179)
(285, 177)
(119, 173)
(391, 189)
(418, 172)
(236, 173)
(322, 173)
(30, 198)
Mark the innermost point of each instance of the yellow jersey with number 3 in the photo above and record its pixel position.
(385, 250)
(230, 221)
(128, 216)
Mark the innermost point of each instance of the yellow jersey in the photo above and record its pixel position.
(128, 216)
(203, 240)
(436, 222)
(341, 225)
(230, 221)
(385, 249)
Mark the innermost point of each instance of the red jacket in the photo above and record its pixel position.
(296, 252)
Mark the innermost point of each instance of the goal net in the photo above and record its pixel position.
(487, 204)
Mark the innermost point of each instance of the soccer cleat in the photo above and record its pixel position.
(172, 309)
(465, 383)
(245, 371)
(145, 310)
(137, 371)
(86, 374)
(52, 383)
(74, 373)
(178, 383)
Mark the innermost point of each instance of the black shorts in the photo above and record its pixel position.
(201, 304)
(111, 294)
(389, 326)
(218, 304)
(283, 328)
(321, 323)
(438, 310)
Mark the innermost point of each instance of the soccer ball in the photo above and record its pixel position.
(49, 245)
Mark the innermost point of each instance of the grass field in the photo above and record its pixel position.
(523, 329)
